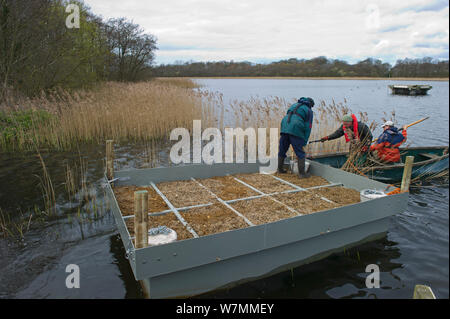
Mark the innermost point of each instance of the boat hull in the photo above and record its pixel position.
(436, 162)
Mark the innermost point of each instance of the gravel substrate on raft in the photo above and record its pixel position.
(264, 183)
(305, 202)
(303, 182)
(227, 188)
(218, 218)
(262, 210)
(213, 219)
(125, 199)
(340, 195)
(185, 193)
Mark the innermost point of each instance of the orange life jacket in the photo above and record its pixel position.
(388, 152)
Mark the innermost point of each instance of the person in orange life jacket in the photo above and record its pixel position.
(357, 133)
(386, 146)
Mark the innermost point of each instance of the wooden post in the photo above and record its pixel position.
(141, 219)
(423, 292)
(110, 159)
(406, 180)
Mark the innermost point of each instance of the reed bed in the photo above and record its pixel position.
(14, 227)
(180, 82)
(120, 111)
(268, 112)
(48, 191)
(148, 111)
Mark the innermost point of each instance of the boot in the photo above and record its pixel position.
(301, 168)
(281, 169)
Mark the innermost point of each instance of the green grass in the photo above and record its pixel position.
(19, 125)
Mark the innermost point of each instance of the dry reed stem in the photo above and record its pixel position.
(120, 111)
(268, 112)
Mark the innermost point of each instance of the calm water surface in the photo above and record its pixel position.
(414, 251)
(371, 96)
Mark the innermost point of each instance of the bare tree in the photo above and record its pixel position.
(38, 52)
(132, 49)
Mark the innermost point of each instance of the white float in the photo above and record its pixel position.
(161, 235)
(368, 194)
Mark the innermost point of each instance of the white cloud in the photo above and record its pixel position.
(271, 30)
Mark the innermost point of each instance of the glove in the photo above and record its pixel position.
(323, 139)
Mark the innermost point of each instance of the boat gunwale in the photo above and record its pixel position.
(401, 165)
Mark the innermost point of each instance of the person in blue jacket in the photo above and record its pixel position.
(295, 130)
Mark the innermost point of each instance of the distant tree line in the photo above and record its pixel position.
(38, 52)
(316, 67)
(426, 67)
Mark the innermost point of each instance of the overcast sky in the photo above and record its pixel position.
(270, 30)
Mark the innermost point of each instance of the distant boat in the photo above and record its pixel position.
(410, 89)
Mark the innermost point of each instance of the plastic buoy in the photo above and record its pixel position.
(368, 194)
(161, 235)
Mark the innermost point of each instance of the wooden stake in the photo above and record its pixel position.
(141, 219)
(406, 180)
(423, 292)
(110, 159)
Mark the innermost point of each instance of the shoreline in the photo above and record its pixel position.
(310, 78)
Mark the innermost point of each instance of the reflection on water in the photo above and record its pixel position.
(133, 289)
(338, 276)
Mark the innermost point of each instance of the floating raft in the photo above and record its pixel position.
(236, 225)
(410, 89)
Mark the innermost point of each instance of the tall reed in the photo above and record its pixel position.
(119, 111)
(268, 112)
(14, 227)
(48, 191)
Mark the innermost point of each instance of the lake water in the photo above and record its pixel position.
(371, 96)
(414, 251)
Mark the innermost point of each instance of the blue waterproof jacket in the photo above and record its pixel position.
(299, 118)
(392, 135)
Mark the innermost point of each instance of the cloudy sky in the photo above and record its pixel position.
(270, 30)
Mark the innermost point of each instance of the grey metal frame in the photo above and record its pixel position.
(269, 196)
(224, 203)
(300, 188)
(174, 210)
(254, 251)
